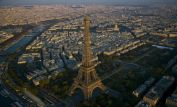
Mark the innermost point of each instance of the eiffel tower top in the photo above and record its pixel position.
(86, 18)
(87, 52)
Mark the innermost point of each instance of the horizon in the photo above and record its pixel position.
(71, 2)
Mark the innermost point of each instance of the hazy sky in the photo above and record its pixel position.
(29, 2)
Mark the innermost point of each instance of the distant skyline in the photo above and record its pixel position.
(31, 2)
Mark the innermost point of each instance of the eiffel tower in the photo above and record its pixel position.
(87, 79)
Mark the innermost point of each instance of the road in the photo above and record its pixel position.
(4, 101)
(11, 96)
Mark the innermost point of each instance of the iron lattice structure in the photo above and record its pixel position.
(87, 79)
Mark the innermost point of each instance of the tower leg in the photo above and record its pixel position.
(87, 94)
(72, 89)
